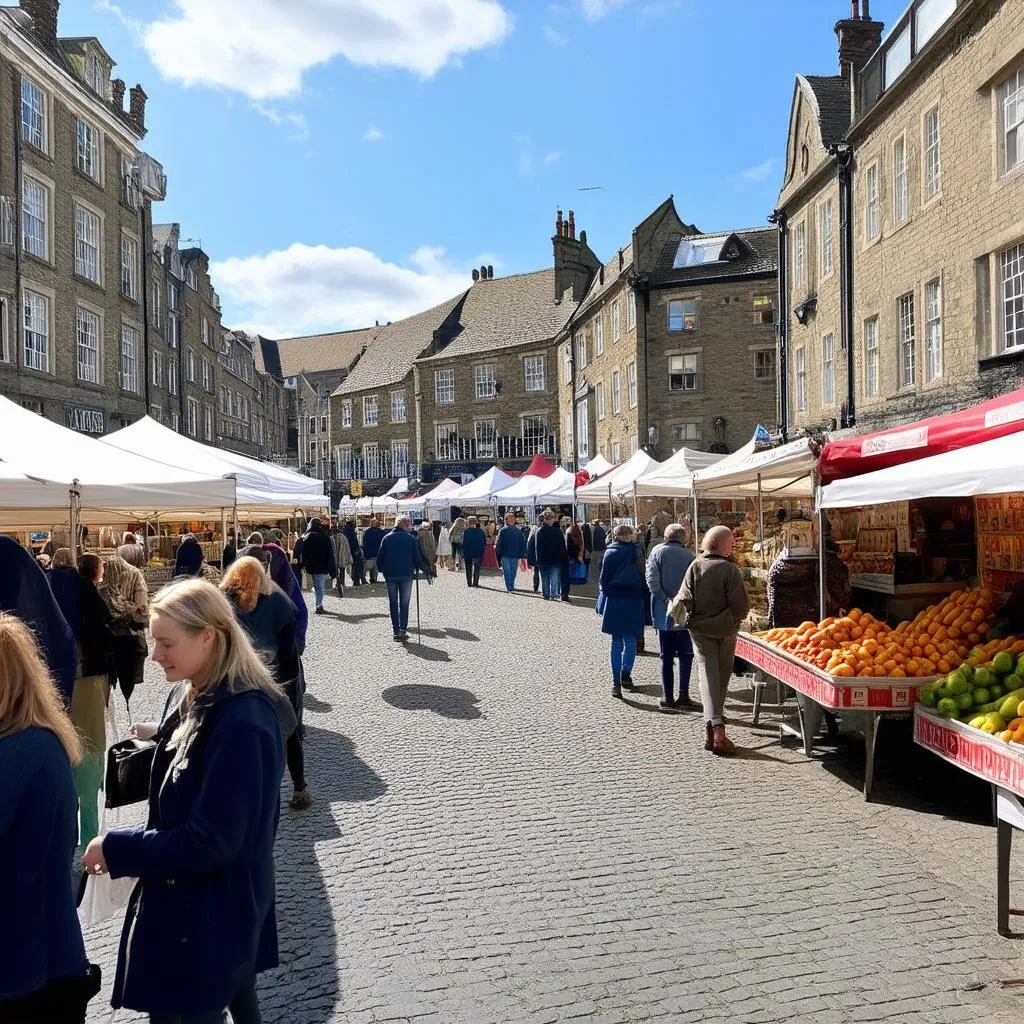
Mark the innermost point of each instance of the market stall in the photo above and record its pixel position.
(437, 498)
(532, 491)
(478, 493)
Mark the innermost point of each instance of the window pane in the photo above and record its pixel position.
(930, 16)
(828, 370)
(533, 368)
(87, 244)
(1011, 268)
(484, 380)
(33, 115)
(88, 334)
(897, 57)
(932, 154)
(871, 203)
(871, 357)
(933, 330)
(129, 355)
(826, 240)
(444, 387)
(800, 360)
(908, 340)
(37, 331)
(35, 201)
(1011, 105)
(901, 197)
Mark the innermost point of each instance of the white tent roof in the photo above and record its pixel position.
(556, 489)
(785, 472)
(111, 483)
(478, 492)
(992, 467)
(373, 506)
(437, 498)
(620, 480)
(262, 486)
(597, 466)
(674, 477)
(401, 487)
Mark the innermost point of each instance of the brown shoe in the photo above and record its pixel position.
(709, 739)
(720, 743)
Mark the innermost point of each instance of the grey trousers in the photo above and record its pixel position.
(714, 657)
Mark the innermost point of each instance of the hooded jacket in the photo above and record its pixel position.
(189, 559)
(318, 551)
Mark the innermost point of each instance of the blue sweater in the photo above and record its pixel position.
(474, 542)
(372, 538)
(511, 543)
(40, 940)
(400, 557)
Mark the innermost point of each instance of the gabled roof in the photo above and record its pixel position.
(321, 353)
(503, 312)
(604, 283)
(832, 95)
(395, 348)
(162, 234)
(747, 251)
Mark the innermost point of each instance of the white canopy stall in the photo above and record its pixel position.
(479, 492)
(556, 489)
(674, 477)
(437, 498)
(619, 481)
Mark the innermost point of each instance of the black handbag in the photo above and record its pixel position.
(129, 765)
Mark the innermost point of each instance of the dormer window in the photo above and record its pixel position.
(97, 74)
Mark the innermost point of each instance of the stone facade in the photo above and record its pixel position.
(936, 172)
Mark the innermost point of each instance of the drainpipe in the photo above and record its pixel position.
(843, 152)
(17, 313)
(146, 249)
(781, 219)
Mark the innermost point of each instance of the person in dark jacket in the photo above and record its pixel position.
(282, 574)
(126, 596)
(665, 570)
(318, 560)
(622, 590)
(230, 552)
(531, 555)
(26, 591)
(268, 618)
(201, 922)
(96, 645)
(372, 537)
(44, 975)
(399, 561)
(510, 547)
(358, 569)
(575, 547)
(189, 558)
(551, 555)
(474, 543)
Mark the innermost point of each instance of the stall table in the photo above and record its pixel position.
(872, 697)
(999, 763)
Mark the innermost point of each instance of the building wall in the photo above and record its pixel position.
(199, 303)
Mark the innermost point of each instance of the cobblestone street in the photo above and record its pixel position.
(494, 839)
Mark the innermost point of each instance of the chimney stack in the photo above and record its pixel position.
(558, 225)
(44, 20)
(476, 275)
(117, 88)
(620, 260)
(572, 224)
(490, 272)
(137, 107)
(859, 38)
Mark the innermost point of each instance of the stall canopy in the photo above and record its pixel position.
(437, 498)
(401, 487)
(597, 466)
(673, 478)
(262, 486)
(852, 456)
(620, 481)
(783, 472)
(554, 489)
(477, 493)
(539, 466)
(384, 506)
(112, 484)
(992, 467)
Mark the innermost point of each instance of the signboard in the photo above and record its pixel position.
(85, 421)
(355, 488)
(999, 520)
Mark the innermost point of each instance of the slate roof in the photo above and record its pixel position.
(763, 257)
(395, 348)
(506, 312)
(612, 274)
(320, 353)
(832, 94)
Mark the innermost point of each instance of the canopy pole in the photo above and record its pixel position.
(636, 507)
(224, 534)
(821, 563)
(73, 499)
(696, 517)
(760, 517)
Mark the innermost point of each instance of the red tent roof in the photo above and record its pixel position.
(855, 455)
(540, 467)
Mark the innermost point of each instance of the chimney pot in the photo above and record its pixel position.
(866, 5)
(490, 272)
(620, 259)
(854, 10)
(583, 237)
(558, 223)
(572, 224)
(483, 272)
(137, 107)
(476, 275)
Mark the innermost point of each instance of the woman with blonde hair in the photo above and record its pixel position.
(201, 922)
(268, 617)
(44, 975)
(126, 596)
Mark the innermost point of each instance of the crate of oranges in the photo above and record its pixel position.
(858, 645)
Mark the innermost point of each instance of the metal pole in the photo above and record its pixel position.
(821, 563)
(760, 516)
(636, 507)
(224, 534)
(419, 632)
(696, 517)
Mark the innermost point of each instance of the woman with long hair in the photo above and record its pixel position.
(201, 922)
(455, 535)
(126, 596)
(44, 975)
(267, 616)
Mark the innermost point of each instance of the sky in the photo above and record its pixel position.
(348, 161)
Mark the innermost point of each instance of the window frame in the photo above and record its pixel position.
(872, 203)
(403, 416)
(346, 413)
(43, 146)
(192, 417)
(130, 266)
(900, 181)
(1005, 299)
(758, 353)
(88, 150)
(29, 290)
(85, 313)
(828, 370)
(46, 189)
(632, 385)
(800, 378)
(616, 321)
(800, 254)
(934, 344)
(826, 248)
(580, 342)
(906, 334)
(598, 323)
(931, 180)
(1002, 104)
(675, 428)
(88, 213)
(536, 360)
(683, 372)
(682, 317)
(599, 400)
(371, 402)
(128, 380)
(872, 358)
(485, 376)
(444, 384)
(485, 449)
(630, 310)
(616, 390)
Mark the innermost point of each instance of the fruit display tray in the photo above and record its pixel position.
(852, 693)
(971, 749)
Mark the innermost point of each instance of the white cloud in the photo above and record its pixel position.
(308, 288)
(754, 175)
(287, 119)
(132, 24)
(263, 47)
(372, 134)
(553, 157)
(594, 10)
(554, 37)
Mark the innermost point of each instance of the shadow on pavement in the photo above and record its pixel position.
(426, 653)
(461, 634)
(447, 701)
(305, 920)
(354, 620)
(312, 704)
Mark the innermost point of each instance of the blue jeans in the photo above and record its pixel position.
(551, 581)
(510, 567)
(319, 586)
(623, 656)
(675, 646)
(399, 595)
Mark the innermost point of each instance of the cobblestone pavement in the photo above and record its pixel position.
(494, 839)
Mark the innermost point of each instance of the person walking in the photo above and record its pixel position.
(126, 596)
(188, 561)
(230, 552)
(92, 690)
(575, 546)
(622, 595)
(372, 537)
(44, 974)
(132, 551)
(444, 548)
(531, 555)
(201, 921)
(428, 546)
(342, 557)
(317, 559)
(666, 567)
(456, 535)
(268, 618)
(281, 572)
(716, 603)
(474, 543)
(399, 561)
(551, 555)
(510, 547)
(358, 565)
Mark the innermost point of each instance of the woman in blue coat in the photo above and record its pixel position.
(201, 922)
(623, 595)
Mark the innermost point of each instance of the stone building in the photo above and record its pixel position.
(75, 200)
(250, 404)
(673, 345)
(901, 219)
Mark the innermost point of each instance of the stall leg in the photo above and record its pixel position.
(1004, 841)
(870, 735)
(759, 684)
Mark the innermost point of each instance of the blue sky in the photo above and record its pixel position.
(344, 161)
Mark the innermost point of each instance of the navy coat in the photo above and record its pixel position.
(372, 538)
(474, 542)
(625, 592)
(189, 559)
(550, 546)
(400, 556)
(202, 918)
(511, 543)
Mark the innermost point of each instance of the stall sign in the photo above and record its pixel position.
(1008, 414)
(85, 421)
(1000, 526)
(355, 489)
(900, 441)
